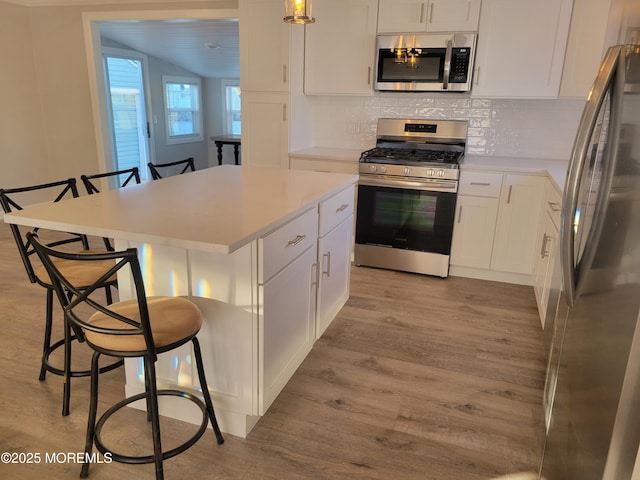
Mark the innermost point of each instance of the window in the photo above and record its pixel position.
(231, 111)
(183, 111)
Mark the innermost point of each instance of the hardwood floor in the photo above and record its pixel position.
(417, 378)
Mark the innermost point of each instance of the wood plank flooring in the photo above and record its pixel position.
(417, 378)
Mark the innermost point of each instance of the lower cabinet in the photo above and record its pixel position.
(496, 226)
(287, 324)
(547, 275)
(517, 226)
(334, 273)
(474, 229)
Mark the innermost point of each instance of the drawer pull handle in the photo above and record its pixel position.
(554, 206)
(544, 253)
(480, 184)
(342, 207)
(296, 241)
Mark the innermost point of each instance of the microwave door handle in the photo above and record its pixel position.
(447, 65)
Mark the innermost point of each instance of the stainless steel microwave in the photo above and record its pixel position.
(425, 62)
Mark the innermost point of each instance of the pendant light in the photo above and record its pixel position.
(298, 11)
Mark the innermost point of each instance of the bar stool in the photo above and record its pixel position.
(122, 177)
(11, 200)
(141, 327)
(187, 165)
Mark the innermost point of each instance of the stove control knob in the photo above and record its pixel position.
(373, 168)
(431, 172)
(407, 171)
(383, 169)
(441, 173)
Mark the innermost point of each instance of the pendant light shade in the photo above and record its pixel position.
(298, 11)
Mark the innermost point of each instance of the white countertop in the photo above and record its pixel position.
(555, 169)
(217, 209)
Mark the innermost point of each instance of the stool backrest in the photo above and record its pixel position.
(13, 199)
(188, 164)
(79, 303)
(123, 178)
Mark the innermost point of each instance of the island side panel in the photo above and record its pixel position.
(223, 287)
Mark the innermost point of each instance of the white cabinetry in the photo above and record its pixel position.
(428, 16)
(334, 257)
(548, 250)
(265, 129)
(496, 225)
(585, 47)
(475, 221)
(521, 46)
(340, 48)
(264, 47)
(264, 79)
(517, 225)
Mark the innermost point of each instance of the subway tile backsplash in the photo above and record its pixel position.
(497, 127)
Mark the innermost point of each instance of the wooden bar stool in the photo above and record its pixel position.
(142, 327)
(12, 199)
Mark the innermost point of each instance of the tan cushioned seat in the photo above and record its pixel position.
(79, 273)
(172, 319)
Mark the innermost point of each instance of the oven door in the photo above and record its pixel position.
(406, 215)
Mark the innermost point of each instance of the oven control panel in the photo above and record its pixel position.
(415, 172)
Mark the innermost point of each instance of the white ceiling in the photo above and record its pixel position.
(183, 43)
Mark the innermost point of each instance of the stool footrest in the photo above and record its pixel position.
(132, 459)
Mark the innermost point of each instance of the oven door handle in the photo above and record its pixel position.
(436, 185)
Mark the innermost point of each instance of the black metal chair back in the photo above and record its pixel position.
(13, 199)
(123, 178)
(188, 164)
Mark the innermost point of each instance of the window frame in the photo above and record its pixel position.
(198, 136)
(227, 113)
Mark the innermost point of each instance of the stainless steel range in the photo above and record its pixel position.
(407, 195)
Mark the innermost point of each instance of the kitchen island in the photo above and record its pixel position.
(264, 252)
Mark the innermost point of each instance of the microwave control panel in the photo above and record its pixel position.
(460, 58)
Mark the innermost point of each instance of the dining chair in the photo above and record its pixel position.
(13, 199)
(122, 178)
(188, 164)
(141, 327)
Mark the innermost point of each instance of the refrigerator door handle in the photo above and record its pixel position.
(576, 169)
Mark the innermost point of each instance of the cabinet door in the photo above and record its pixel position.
(514, 246)
(453, 15)
(402, 16)
(265, 134)
(473, 231)
(547, 242)
(286, 324)
(334, 273)
(264, 47)
(521, 47)
(340, 48)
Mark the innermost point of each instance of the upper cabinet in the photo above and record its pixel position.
(397, 16)
(585, 47)
(264, 46)
(521, 47)
(340, 48)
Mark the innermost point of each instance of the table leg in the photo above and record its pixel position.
(235, 153)
(219, 145)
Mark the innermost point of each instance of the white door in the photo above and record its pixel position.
(124, 73)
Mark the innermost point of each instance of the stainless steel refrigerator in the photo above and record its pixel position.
(592, 392)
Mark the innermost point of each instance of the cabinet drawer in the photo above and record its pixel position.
(553, 204)
(480, 184)
(283, 245)
(336, 209)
